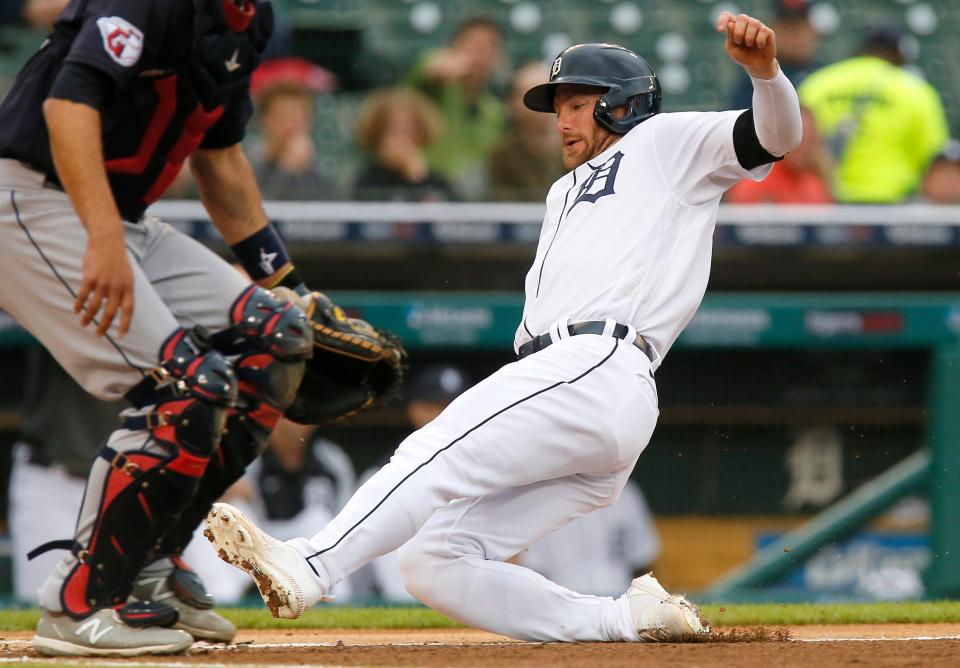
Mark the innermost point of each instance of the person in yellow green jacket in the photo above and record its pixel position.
(457, 78)
(882, 123)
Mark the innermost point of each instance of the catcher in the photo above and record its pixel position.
(131, 308)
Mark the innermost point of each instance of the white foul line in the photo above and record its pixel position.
(878, 639)
(96, 661)
(205, 648)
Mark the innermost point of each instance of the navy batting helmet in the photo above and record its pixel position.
(628, 80)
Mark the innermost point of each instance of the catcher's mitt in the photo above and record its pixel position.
(354, 366)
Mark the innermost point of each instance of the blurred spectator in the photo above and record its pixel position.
(300, 475)
(284, 160)
(42, 14)
(395, 129)
(882, 123)
(62, 430)
(458, 79)
(597, 553)
(432, 391)
(796, 48)
(294, 71)
(941, 184)
(526, 162)
(802, 177)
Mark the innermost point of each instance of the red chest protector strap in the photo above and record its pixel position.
(238, 13)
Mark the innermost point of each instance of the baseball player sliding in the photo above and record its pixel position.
(95, 128)
(621, 266)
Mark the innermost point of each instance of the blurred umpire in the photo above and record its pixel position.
(97, 126)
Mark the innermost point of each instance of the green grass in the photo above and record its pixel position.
(333, 617)
(834, 613)
(18, 620)
(323, 617)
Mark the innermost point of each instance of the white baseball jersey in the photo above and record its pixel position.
(556, 434)
(628, 235)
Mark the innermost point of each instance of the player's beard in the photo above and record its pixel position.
(586, 148)
(572, 159)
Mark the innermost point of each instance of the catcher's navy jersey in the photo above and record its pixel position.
(180, 80)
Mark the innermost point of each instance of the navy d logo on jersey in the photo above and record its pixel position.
(600, 182)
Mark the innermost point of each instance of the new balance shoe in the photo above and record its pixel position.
(173, 583)
(287, 584)
(661, 617)
(104, 634)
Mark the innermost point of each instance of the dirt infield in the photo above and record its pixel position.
(816, 646)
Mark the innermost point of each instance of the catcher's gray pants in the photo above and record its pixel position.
(177, 282)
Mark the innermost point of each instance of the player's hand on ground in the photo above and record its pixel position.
(750, 43)
(107, 284)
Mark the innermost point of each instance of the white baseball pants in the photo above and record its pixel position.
(542, 441)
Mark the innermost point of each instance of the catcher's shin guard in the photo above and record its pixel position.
(271, 339)
(139, 486)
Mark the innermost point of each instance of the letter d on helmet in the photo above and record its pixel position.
(627, 79)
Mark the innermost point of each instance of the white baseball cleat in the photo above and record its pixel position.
(286, 582)
(660, 617)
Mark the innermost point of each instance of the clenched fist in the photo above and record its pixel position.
(751, 44)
